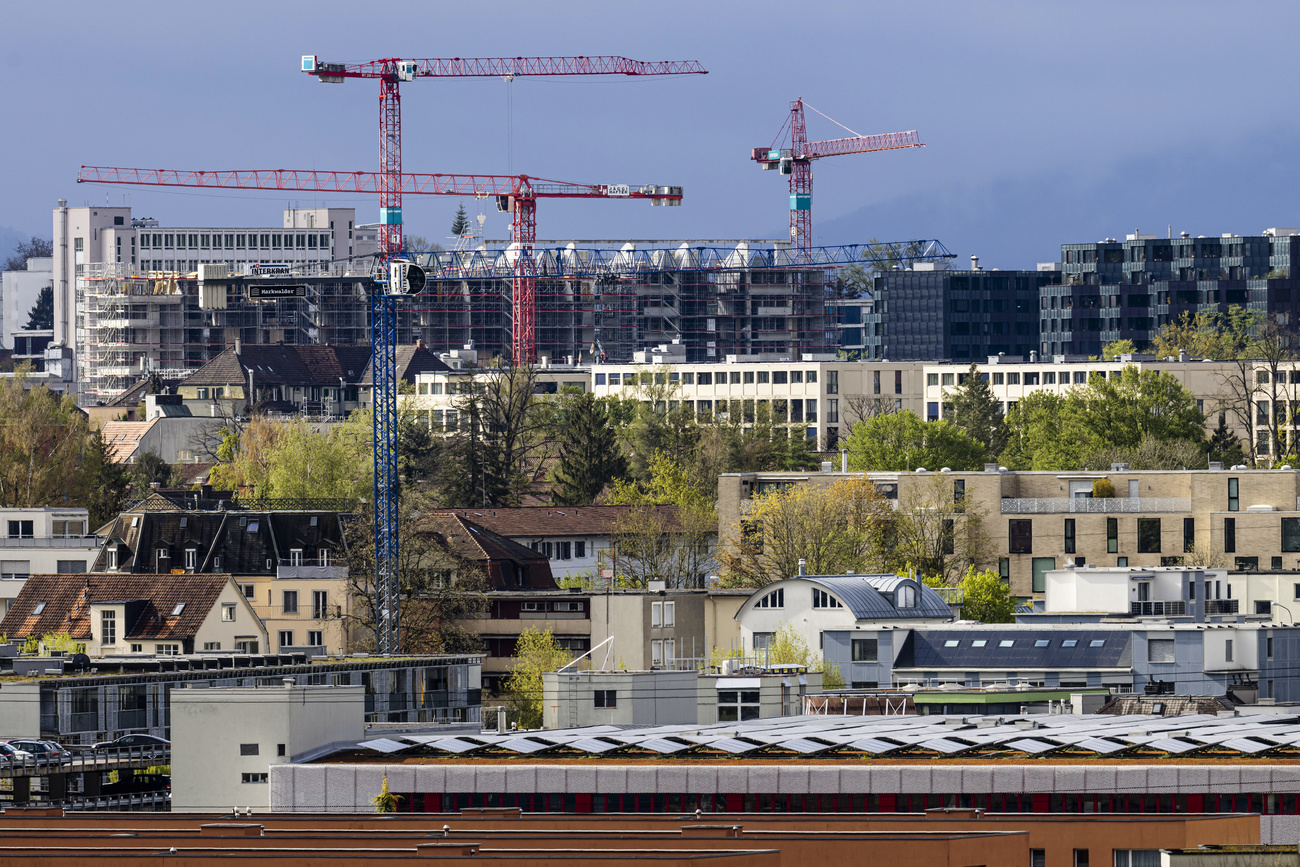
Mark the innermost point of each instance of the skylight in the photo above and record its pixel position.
(40, 607)
(176, 612)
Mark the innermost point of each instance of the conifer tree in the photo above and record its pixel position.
(460, 225)
(589, 456)
(977, 412)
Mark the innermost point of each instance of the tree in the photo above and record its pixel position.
(1113, 350)
(36, 248)
(149, 468)
(862, 407)
(1048, 431)
(333, 463)
(936, 532)
(41, 316)
(588, 454)
(440, 595)
(1224, 445)
(834, 529)
(1138, 404)
(385, 801)
(902, 442)
(788, 648)
(1150, 454)
(652, 544)
(460, 225)
(536, 652)
(419, 244)
(977, 412)
(245, 458)
(986, 597)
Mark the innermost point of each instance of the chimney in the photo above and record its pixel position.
(237, 346)
(844, 460)
(974, 262)
(802, 565)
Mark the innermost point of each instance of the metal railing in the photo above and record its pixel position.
(88, 543)
(1094, 505)
(1221, 606)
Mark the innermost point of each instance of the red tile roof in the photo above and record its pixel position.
(68, 598)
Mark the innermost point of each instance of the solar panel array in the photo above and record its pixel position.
(1029, 734)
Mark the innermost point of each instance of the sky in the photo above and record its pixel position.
(1045, 122)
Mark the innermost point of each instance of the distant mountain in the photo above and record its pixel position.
(1017, 222)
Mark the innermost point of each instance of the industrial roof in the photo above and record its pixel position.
(1007, 736)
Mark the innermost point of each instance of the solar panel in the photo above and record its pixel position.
(523, 745)
(802, 745)
(384, 745)
(454, 745)
(662, 745)
(730, 745)
(1173, 745)
(944, 745)
(590, 745)
(1247, 745)
(874, 746)
(1100, 745)
(1032, 745)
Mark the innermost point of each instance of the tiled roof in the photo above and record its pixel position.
(410, 361)
(509, 565)
(552, 521)
(67, 600)
(123, 438)
(280, 364)
(133, 395)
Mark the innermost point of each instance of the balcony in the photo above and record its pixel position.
(309, 569)
(86, 543)
(1094, 505)
(1175, 608)
(1221, 606)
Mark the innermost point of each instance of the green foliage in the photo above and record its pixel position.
(1109, 418)
(149, 468)
(589, 458)
(978, 413)
(385, 801)
(789, 648)
(1210, 334)
(41, 316)
(460, 225)
(1224, 446)
(335, 462)
(1103, 489)
(986, 597)
(60, 642)
(901, 442)
(1113, 350)
(536, 651)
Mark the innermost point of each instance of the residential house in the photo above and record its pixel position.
(290, 564)
(40, 541)
(292, 379)
(120, 615)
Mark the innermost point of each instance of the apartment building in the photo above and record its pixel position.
(40, 542)
(1033, 522)
(1126, 290)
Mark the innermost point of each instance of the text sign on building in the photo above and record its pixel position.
(271, 292)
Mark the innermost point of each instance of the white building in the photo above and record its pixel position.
(40, 542)
(20, 292)
(1172, 591)
(114, 275)
(224, 741)
(814, 604)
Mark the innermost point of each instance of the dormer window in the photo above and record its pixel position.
(295, 557)
(191, 558)
(163, 560)
(905, 597)
(112, 558)
(822, 599)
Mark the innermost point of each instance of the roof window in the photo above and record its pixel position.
(176, 612)
(40, 608)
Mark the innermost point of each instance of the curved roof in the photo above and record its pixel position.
(871, 597)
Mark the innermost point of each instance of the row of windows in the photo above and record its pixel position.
(561, 550)
(734, 377)
(1150, 533)
(233, 241)
(315, 638)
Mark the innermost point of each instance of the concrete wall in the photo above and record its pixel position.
(212, 728)
(20, 710)
(642, 698)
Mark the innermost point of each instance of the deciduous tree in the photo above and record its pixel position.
(536, 652)
(902, 442)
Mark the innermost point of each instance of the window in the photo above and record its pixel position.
(1229, 535)
(1148, 535)
(1112, 536)
(228, 612)
(1080, 858)
(1097, 642)
(822, 599)
(207, 645)
(255, 777)
(606, 698)
(865, 649)
(250, 590)
(16, 570)
(71, 567)
(735, 705)
(286, 638)
(319, 604)
(1291, 534)
(1070, 642)
(1007, 642)
(108, 627)
(1069, 535)
(323, 557)
(579, 550)
(248, 749)
(832, 382)
(905, 597)
(656, 652)
(1021, 532)
(1160, 650)
(315, 638)
(762, 640)
(1189, 535)
(167, 649)
(21, 530)
(191, 558)
(1234, 500)
(670, 614)
(656, 614)
(1137, 857)
(1037, 858)
(1042, 642)
(295, 556)
(290, 602)
(775, 599)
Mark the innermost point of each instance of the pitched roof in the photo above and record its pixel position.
(508, 564)
(123, 438)
(1015, 647)
(133, 395)
(67, 600)
(551, 521)
(410, 361)
(283, 364)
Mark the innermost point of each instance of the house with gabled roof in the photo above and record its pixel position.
(311, 379)
(119, 615)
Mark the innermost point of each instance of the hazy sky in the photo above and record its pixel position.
(1045, 122)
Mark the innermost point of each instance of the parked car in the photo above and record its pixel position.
(139, 743)
(41, 748)
(13, 754)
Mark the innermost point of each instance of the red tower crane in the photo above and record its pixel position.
(796, 161)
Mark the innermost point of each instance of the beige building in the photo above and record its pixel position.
(1034, 522)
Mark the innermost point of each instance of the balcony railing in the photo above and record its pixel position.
(1221, 606)
(88, 543)
(1094, 505)
(1172, 608)
(310, 569)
